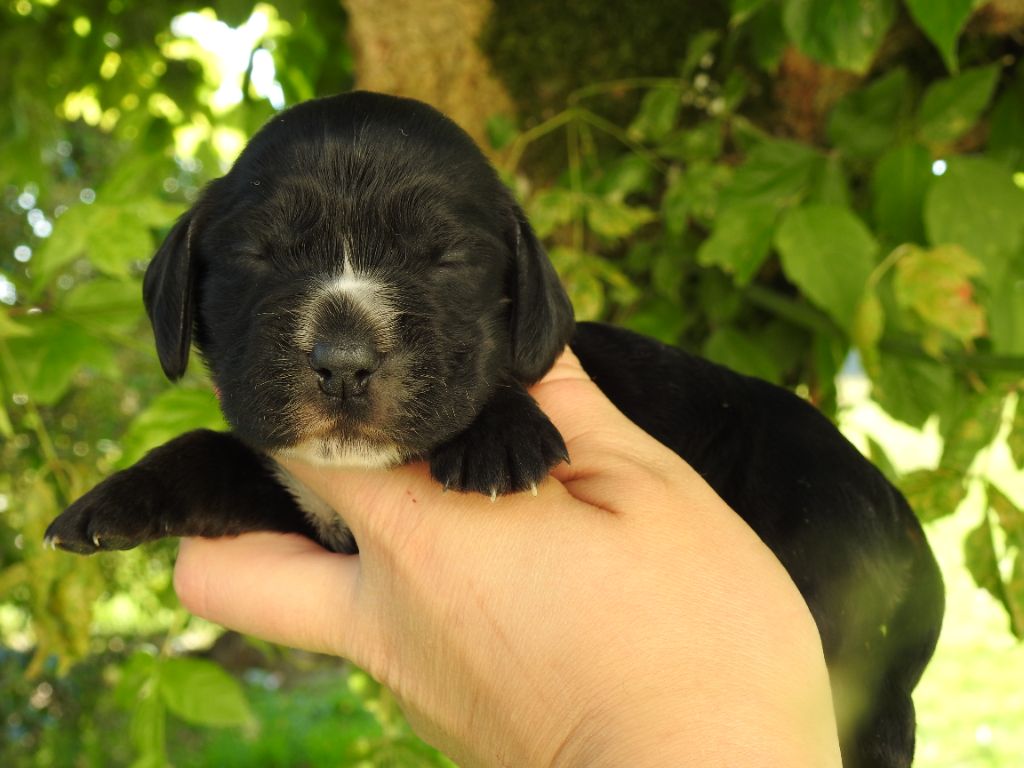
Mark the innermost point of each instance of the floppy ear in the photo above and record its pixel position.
(167, 292)
(542, 320)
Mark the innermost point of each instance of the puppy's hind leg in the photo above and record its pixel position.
(203, 483)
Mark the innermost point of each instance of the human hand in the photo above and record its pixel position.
(624, 616)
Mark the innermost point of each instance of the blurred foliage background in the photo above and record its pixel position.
(810, 191)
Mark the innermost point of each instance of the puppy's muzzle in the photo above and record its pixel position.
(344, 368)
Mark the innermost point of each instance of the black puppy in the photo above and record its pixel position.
(365, 291)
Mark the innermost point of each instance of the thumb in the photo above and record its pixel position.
(283, 588)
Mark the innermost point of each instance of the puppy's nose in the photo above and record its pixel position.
(344, 368)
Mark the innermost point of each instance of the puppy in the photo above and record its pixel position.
(365, 291)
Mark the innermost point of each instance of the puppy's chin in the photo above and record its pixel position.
(345, 454)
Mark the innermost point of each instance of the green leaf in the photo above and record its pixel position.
(942, 21)
(829, 253)
(657, 115)
(700, 143)
(114, 304)
(10, 329)
(936, 285)
(951, 107)
(627, 175)
(68, 241)
(704, 185)
(1006, 128)
(501, 130)
(114, 237)
(1015, 440)
(933, 493)
(56, 350)
(868, 325)
(968, 422)
(829, 184)
(1005, 305)
(1015, 596)
(741, 10)
(1011, 518)
(616, 220)
(976, 204)
(911, 390)
(778, 172)
(675, 204)
(898, 188)
(982, 561)
(119, 239)
(699, 45)
(742, 353)
(173, 412)
(741, 240)
(864, 123)
(658, 317)
(149, 733)
(841, 33)
(552, 208)
(200, 692)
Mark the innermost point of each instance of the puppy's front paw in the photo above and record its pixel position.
(119, 513)
(510, 447)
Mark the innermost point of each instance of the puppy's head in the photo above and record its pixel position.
(358, 284)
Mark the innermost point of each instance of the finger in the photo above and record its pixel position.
(602, 442)
(282, 588)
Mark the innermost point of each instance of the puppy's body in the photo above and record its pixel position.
(365, 291)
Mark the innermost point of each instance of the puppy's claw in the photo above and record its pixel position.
(96, 540)
(51, 542)
(494, 495)
(533, 489)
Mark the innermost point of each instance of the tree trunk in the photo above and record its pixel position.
(428, 50)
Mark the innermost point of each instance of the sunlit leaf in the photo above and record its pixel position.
(657, 115)
(741, 10)
(868, 325)
(172, 413)
(1005, 305)
(1015, 440)
(48, 360)
(700, 143)
(968, 423)
(982, 561)
(1010, 516)
(975, 204)
(615, 220)
(200, 692)
(911, 390)
(741, 240)
(552, 208)
(10, 328)
(933, 493)
(625, 176)
(829, 253)
(937, 285)
(112, 304)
